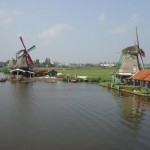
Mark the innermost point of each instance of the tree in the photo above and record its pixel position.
(37, 63)
(47, 62)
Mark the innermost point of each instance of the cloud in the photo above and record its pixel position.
(53, 31)
(102, 17)
(124, 28)
(7, 17)
(120, 29)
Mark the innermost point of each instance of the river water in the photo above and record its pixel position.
(71, 116)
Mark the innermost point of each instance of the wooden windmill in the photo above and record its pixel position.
(23, 59)
(131, 60)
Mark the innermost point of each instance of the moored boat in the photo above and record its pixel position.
(74, 80)
(3, 79)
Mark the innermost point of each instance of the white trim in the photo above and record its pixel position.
(129, 74)
(21, 71)
(17, 70)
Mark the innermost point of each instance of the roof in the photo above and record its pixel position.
(17, 70)
(142, 75)
(130, 49)
(20, 70)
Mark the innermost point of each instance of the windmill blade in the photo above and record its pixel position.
(140, 50)
(142, 61)
(22, 55)
(142, 53)
(31, 48)
(26, 52)
(29, 60)
(137, 38)
(21, 51)
(141, 56)
(22, 42)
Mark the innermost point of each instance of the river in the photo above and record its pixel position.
(71, 116)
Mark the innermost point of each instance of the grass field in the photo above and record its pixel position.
(90, 72)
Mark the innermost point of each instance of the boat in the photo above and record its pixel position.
(82, 78)
(3, 79)
(74, 80)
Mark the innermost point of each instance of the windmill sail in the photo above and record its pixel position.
(29, 60)
(141, 52)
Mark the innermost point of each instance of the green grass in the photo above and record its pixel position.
(90, 72)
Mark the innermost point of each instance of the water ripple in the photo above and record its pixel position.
(71, 116)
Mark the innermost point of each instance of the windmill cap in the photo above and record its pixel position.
(130, 49)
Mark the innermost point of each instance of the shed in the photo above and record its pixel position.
(143, 75)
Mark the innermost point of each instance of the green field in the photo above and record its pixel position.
(90, 72)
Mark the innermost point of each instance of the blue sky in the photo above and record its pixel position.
(74, 31)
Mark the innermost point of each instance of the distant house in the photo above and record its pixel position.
(52, 73)
(107, 65)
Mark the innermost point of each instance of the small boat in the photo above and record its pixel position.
(74, 80)
(3, 79)
(82, 78)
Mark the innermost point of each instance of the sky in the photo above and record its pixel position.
(74, 31)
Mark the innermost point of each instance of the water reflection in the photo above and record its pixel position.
(132, 106)
(22, 90)
(22, 97)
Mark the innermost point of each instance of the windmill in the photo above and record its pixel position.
(22, 68)
(129, 63)
(131, 60)
(23, 59)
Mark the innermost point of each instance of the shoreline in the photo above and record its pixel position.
(139, 93)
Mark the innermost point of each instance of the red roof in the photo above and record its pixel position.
(142, 75)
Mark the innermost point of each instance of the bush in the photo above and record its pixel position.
(5, 70)
(126, 87)
(94, 79)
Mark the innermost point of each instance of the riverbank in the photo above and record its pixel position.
(126, 88)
